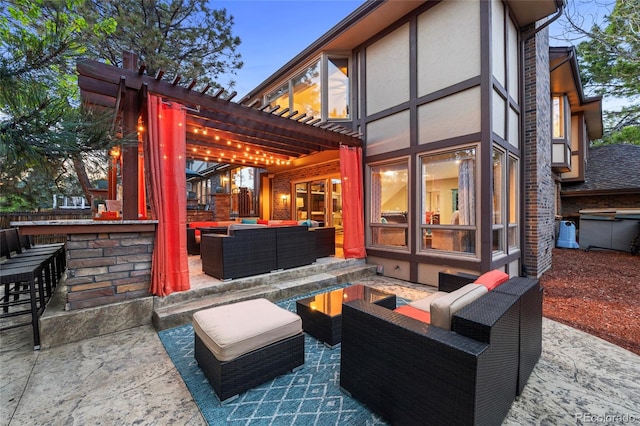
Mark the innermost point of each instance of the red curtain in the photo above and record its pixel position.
(352, 202)
(142, 198)
(165, 166)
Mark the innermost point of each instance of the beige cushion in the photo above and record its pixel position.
(443, 308)
(232, 330)
(237, 226)
(424, 304)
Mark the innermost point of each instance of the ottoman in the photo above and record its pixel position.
(241, 345)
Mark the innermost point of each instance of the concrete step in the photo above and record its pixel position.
(181, 310)
(214, 286)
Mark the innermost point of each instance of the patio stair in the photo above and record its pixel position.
(177, 308)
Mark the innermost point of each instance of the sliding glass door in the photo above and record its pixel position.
(311, 201)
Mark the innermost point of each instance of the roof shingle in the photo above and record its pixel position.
(609, 167)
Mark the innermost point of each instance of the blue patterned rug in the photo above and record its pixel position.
(309, 396)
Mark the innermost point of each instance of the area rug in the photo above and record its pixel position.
(308, 396)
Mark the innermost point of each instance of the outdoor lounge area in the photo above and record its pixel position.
(360, 239)
(128, 377)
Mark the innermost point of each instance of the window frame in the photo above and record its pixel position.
(426, 230)
(322, 61)
(561, 157)
(513, 194)
(373, 227)
(499, 225)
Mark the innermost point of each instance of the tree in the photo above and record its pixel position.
(609, 61)
(45, 132)
(41, 126)
(179, 37)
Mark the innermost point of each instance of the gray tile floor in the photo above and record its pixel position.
(127, 378)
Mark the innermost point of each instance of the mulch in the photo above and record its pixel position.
(596, 291)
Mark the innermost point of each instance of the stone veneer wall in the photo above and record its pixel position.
(281, 185)
(539, 186)
(108, 268)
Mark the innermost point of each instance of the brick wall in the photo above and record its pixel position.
(199, 215)
(571, 206)
(539, 191)
(108, 268)
(281, 185)
(221, 206)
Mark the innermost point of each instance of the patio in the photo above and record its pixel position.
(127, 378)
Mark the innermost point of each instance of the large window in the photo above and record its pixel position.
(448, 201)
(388, 221)
(321, 90)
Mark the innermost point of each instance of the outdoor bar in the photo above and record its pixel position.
(108, 268)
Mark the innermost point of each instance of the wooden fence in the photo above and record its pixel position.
(7, 218)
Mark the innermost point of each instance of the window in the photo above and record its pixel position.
(320, 91)
(514, 202)
(279, 96)
(306, 92)
(338, 88)
(448, 201)
(560, 133)
(497, 196)
(388, 220)
(558, 119)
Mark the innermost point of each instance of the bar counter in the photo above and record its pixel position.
(83, 226)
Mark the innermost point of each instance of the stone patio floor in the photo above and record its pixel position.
(128, 378)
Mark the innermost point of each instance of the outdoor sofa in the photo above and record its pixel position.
(412, 372)
(250, 249)
(325, 239)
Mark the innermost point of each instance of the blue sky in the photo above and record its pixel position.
(274, 31)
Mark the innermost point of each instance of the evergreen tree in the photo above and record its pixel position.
(609, 61)
(49, 143)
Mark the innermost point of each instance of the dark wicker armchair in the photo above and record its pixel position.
(410, 372)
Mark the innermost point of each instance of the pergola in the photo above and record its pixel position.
(217, 129)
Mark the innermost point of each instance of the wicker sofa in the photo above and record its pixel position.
(257, 249)
(193, 232)
(411, 372)
(325, 236)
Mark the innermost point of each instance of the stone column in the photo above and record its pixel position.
(108, 268)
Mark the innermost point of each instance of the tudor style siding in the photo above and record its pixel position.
(443, 79)
(451, 99)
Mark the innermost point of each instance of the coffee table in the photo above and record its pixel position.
(322, 314)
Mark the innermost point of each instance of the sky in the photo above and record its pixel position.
(275, 31)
